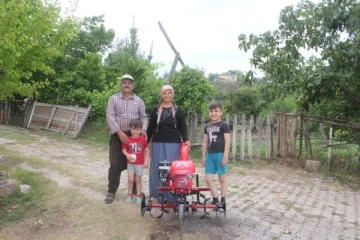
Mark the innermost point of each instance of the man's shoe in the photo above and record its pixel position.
(110, 197)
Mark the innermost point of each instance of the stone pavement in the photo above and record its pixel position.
(280, 203)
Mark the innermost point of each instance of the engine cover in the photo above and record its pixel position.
(182, 167)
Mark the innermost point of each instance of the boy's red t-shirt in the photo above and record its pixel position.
(136, 146)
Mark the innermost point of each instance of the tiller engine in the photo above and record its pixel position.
(178, 176)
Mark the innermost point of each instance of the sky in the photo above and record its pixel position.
(204, 32)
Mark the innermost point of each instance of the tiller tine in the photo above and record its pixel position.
(144, 208)
(160, 216)
(206, 214)
(221, 211)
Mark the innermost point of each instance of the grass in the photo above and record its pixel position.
(25, 138)
(95, 133)
(39, 163)
(17, 206)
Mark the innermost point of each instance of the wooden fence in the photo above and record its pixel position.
(279, 135)
(67, 120)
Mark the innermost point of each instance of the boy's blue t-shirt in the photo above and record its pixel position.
(215, 133)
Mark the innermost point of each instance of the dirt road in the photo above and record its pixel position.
(268, 203)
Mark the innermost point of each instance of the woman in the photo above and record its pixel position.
(166, 128)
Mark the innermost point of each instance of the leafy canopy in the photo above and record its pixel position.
(30, 35)
(192, 90)
(331, 31)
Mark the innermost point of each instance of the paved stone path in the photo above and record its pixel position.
(281, 204)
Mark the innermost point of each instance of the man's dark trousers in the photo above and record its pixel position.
(117, 164)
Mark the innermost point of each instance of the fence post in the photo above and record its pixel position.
(282, 134)
(251, 126)
(202, 125)
(227, 119)
(243, 135)
(292, 136)
(268, 138)
(194, 127)
(28, 107)
(301, 132)
(329, 148)
(307, 138)
(7, 112)
(260, 136)
(322, 132)
(272, 135)
(234, 138)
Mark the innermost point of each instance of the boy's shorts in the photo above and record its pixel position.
(137, 169)
(213, 164)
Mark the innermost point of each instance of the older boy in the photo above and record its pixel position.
(215, 151)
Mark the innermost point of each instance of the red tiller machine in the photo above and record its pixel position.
(178, 177)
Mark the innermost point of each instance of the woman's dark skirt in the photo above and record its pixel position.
(160, 152)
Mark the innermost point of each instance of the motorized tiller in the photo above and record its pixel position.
(178, 178)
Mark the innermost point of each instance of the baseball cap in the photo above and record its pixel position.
(126, 76)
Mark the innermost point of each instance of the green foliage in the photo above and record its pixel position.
(30, 35)
(192, 90)
(99, 102)
(127, 58)
(212, 77)
(244, 101)
(284, 104)
(223, 89)
(95, 133)
(81, 78)
(151, 93)
(79, 68)
(330, 30)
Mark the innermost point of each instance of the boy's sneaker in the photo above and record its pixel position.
(138, 200)
(128, 199)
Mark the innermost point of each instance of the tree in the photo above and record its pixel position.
(30, 35)
(329, 29)
(192, 90)
(79, 69)
(128, 58)
(245, 100)
(212, 77)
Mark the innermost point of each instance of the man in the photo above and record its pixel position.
(122, 107)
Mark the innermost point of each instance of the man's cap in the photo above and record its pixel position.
(126, 76)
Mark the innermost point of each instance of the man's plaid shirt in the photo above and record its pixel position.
(121, 110)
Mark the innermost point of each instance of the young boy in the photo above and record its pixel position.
(215, 151)
(137, 153)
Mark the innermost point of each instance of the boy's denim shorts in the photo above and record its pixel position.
(213, 164)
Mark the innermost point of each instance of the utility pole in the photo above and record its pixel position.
(177, 54)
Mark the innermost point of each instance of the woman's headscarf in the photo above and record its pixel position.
(163, 88)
